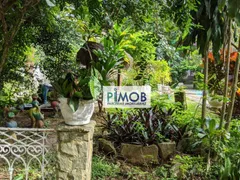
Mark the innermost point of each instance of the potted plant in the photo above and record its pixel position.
(215, 100)
(77, 96)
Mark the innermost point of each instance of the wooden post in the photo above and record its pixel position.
(204, 100)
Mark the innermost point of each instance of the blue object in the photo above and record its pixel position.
(45, 90)
(11, 124)
(199, 93)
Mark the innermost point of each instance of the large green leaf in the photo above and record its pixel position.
(73, 103)
(209, 34)
(211, 125)
(95, 87)
(50, 3)
(67, 88)
(201, 135)
(221, 4)
(78, 94)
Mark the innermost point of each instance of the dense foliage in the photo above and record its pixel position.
(143, 42)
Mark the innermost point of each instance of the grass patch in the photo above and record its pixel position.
(195, 107)
(102, 169)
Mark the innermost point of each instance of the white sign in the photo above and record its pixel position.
(126, 96)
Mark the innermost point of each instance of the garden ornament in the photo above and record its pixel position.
(36, 116)
(35, 100)
(56, 107)
(34, 97)
(11, 122)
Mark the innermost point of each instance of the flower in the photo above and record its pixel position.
(238, 92)
(210, 57)
(233, 56)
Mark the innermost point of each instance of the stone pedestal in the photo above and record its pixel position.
(74, 156)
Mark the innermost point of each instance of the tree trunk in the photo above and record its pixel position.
(8, 38)
(233, 93)
(227, 64)
(10, 31)
(4, 57)
(204, 100)
(119, 78)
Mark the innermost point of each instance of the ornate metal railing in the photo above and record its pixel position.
(20, 148)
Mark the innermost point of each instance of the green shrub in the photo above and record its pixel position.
(188, 167)
(142, 126)
(102, 169)
(159, 72)
(162, 172)
(229, 154)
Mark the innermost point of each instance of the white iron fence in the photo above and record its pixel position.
(23, 148)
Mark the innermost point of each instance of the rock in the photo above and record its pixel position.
(139, 154)
(69, 148)
(11, 124)
(183, 145)
(107, 147)
(62, 175)
(95, 147)
(65, 163)
(166, 149)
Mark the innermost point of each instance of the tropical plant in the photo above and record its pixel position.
(109, 61)
(159, 72)
(230, 170)
(84, 85)
(208, 136)
(189, 167)
(212, 21)
(145, 51)
(144, 126)
(229, 154)
(216, 72)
